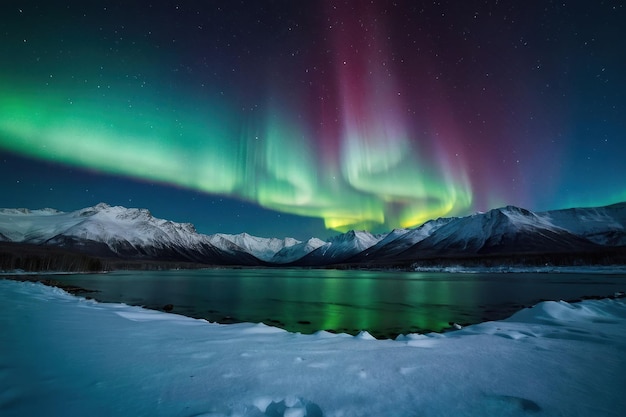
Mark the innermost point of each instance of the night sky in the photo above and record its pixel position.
(305, 118)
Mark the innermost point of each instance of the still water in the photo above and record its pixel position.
(307, 300)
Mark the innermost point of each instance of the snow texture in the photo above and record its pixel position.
(62, 355)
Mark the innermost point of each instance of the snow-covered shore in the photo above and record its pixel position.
(62, 355)
(506, 269)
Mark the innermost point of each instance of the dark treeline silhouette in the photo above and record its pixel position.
(37, 258)
(42, 258)
(606, 257)
(46, 258)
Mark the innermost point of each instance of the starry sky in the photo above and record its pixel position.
(288, 118)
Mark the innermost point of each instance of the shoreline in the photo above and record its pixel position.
(90, 294)
(513, 269)
(444, 268)
(70, 357)
(70, 289)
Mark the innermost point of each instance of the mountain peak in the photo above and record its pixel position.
(352, 235)
(516, 210)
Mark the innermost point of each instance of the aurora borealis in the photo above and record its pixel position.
(366, 115)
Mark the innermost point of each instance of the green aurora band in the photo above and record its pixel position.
(271, 160)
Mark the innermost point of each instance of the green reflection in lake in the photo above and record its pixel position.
(308, 300)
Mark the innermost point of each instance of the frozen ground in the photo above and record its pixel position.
(62, 355)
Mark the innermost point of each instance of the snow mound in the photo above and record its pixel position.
(601, 311)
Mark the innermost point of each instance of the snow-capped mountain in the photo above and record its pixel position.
(294, 252)
(260, 247)
(340, 248)
(601, 225)
(118, 231)
(399, 240)
(504, 230)
(106, 231)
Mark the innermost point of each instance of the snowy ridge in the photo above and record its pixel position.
(294, 252)
(122, 231)
(341, 248)
(25, 211)
(400, 240)
(472, 233)
(602, 225)
(503, 230)
(262, 248)
(132, 232)
(136, 226)
(99, 223)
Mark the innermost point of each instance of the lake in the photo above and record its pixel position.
(307, 300)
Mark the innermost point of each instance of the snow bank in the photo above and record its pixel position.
(548, 269)
(62, 355)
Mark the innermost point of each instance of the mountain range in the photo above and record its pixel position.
(506, 235)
